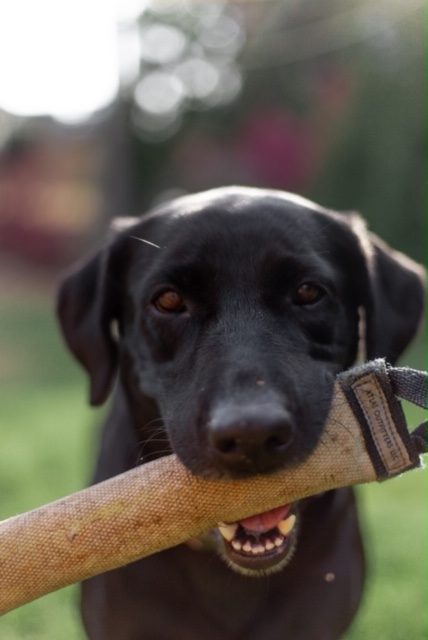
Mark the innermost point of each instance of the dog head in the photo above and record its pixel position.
(233, 310)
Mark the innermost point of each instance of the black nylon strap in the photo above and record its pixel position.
(411, 385)
(371, 390)
(419, 435)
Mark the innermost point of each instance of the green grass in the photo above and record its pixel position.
(48, 439)
(394, 606)
(47, 443)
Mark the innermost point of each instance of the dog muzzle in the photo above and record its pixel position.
(161, 504)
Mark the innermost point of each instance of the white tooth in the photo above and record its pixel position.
(285, 526)
(228, 530)
(236, 545)
(278, 541)
(259, 548)
(269, 545)
(247, 546)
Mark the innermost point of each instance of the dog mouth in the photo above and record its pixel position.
(261, 544)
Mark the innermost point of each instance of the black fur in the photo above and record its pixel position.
(237, 381)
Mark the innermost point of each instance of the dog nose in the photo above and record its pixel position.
(258, 442)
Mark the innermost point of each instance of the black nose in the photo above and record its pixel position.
(254, 441)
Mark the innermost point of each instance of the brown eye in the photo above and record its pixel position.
(308, 293)
(169, 302)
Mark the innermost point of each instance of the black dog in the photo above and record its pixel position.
(228, 315)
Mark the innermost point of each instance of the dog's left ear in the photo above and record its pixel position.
(398, 300)
(89, 301)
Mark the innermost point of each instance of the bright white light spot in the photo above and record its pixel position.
(206, 13)
(161, 43)
(164, 7)
(154, 128)
(226, 36)
(129, 51)
(229, 85)
(57, 58)
(199, 77)
(159, 93)
(129, 10)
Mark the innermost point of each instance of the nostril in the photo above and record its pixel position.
(227, 445)
(276, 443)
(279, 438)
(253, 441)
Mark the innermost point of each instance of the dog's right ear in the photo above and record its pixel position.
(88, 303)
(399, 302)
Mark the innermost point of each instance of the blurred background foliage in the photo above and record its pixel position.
(321, 97)
(317, 96)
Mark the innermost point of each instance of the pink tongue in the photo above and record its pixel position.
(267, 520)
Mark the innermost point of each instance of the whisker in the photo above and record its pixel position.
(156, 435)
(152, 455)
(152, 422)
(152, 244)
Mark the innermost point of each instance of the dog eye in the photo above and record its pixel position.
(169, 302)
(308, 293)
